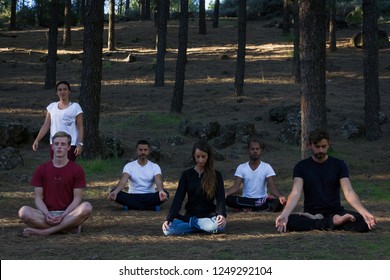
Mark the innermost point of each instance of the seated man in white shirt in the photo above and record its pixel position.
(255, 176)
(143, 178)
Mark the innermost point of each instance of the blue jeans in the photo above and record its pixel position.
(179, 227)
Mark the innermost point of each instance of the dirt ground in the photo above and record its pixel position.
(128, 95)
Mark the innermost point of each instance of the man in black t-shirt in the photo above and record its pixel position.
(320, 177)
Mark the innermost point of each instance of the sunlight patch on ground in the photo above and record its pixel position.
(21, 50)
(102, 183)
(22, 111)
(22, 82)
(385, 177)
(14, 194)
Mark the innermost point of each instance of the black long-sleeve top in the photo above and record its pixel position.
(198, 205)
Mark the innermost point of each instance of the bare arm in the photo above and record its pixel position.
(354, 201)
(160, 187)
(42, 132)
(120, 186)
(235, 187)
(77, 198)
(292, 201)
(80, 130)
(39, 203)
(274, 190)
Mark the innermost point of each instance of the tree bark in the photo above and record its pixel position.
(162, 19)
(12, 21)
(178, 93)
(240, 67)
(202, 17)
(332, 25)
(286, 17)
(148, 14)
(51, 62)
(296, 61)
(127, 7)
(111, 27)
(91, 77)
(312, 25)
(216, 14)
(82, 12)
(67, 37)
(142, 10)
(370, 66)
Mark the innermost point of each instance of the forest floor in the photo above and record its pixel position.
(132, 108)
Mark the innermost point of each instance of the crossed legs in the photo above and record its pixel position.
(343, 220)
(37, 224)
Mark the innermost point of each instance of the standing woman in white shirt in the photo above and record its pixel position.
(63, 115)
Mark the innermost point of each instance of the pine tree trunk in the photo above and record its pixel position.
(312, 27)
(12, 21)
(111, 27)
(91, 77)
(240, 67)
(202, 17)
(178, 93)
(67, 39)
(370, 66)
(286, 17)
(296, 61)
(82, 12)
(332, 25)
(216, 14)
(51, 62)
(162, 19)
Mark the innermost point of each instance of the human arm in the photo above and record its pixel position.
(292, 201)
(42, 132)
(41, 205)
(160, 187)
(235, 187)
(353, 199)
(80, 130)
(274, 190)
(178, 199)
(220, 196)
(120, 186)
(77, 198)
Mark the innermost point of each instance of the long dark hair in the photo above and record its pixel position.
(209, 178)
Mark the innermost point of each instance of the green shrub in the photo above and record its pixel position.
(355, 17)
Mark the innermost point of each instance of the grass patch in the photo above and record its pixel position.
(374, 190)
(101, 167)
(161, 120)
(151, 120)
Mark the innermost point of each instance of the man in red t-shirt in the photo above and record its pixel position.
(58, 186)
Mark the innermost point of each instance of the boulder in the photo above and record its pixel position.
(10, 158)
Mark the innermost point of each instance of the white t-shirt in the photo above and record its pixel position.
(64, 120)
(254, 181)
(142, 177)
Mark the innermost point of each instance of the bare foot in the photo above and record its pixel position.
(311, 216)
(74, 230)
(339, 220)
(32, 231)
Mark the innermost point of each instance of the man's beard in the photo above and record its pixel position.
(320, 155)
(254, 157)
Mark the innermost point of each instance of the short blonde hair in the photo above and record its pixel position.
(62, 134)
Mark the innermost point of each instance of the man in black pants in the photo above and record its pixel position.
(255, 177)
(320, 178)
(143, 178)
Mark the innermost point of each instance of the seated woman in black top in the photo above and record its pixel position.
(203, 185)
